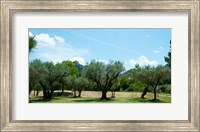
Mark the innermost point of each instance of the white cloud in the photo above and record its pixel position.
(56, 50)
(45, 40)
(156, 51)
(59, 39)
(30, 34)
(79, 59)
(142, 61)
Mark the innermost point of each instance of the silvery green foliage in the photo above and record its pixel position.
(37, 72)
(151, 76)
(77, 84)
(104, 75)
(47, 74)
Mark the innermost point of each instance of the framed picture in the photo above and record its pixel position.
(99, 65)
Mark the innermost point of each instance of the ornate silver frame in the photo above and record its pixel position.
(8, 7)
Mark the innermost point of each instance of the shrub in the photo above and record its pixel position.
(168, 90)
(135, 88)
(165, 88)
(121, 89)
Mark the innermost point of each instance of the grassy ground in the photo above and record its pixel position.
(94, 97)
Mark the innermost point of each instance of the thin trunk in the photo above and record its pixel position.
(154, 88)
(51, 90)
(79, 93)
(37, 93)
(154, 91)
(44, 90)
(44, 93)
(144, 92)
(34, 93)
(30, 92)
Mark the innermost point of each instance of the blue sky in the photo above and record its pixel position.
(131, 46)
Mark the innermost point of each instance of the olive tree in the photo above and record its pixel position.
(54, 73)
(160, 73)
(36, 70)
(104, 75)
(152, 76)
(67, 68)
(77, 84)
(114, 88)
(37, 89)
(46, 74)
(143, 76)
(81, 83)
(71, 82)
(64, 71)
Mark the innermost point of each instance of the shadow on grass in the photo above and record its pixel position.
(66, 99)
(37, 100)
(145, 100)
(83, 100)
(56, 96)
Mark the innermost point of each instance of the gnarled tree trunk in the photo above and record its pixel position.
(144, 92)
(104, 96)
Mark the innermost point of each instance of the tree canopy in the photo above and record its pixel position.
(104, 75)
(151, 76)
(72, 69)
